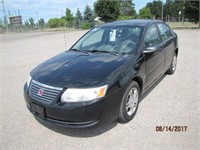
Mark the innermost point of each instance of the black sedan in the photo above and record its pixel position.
(103, 75)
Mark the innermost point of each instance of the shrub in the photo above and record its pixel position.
(86, 25)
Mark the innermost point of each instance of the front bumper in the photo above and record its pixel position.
(78, 115)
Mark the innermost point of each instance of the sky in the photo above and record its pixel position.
(50, 8)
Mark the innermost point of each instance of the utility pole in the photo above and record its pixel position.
(124, 7)
(162, 10)
(199, 14)
(5, 20)
(183, 18)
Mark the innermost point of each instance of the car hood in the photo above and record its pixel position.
(76, 69)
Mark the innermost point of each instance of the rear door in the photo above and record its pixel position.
(168, 44)
(154, 61)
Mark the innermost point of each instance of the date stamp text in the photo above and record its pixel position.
(171, 128)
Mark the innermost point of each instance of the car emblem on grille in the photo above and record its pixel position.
(40, 92)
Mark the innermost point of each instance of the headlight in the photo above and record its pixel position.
(29, 80)
(83, 95)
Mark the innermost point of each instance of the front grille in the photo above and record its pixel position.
(42, 92)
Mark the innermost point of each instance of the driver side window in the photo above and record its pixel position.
(151, 37)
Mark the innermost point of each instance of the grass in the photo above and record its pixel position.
(182, 24)
(59, 29)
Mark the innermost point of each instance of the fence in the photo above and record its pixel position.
(173, 22)
(56, 26)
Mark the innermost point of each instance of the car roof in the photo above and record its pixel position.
(135, 22)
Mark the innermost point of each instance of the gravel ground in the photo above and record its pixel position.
(173, 101)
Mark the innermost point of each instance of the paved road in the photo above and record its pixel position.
(174, 101)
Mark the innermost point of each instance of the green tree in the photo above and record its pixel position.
(69, 18)
(168, 8)
(1, 24)
(192, 11)
(172, 8)
(145, 13)
(78, 18)
(188, 8)
(41, 23)
(26, 23)
(155, 8)
(31, 21)
(127, 8)
(107, 10)
(88, 16)
(69, 15)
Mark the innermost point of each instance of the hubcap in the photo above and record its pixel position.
(132, 101)
(174, 63)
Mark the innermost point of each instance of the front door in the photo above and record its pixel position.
(154, 60)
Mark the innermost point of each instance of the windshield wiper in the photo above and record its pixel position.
(101, 51)
(73, 49)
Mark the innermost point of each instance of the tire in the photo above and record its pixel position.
(173, 65)
(129, 106)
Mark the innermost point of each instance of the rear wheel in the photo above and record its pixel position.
(172, 67)
(130, 102)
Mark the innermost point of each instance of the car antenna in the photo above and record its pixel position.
(64, 32)
(65, 37)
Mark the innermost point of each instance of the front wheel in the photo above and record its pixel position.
(172, 67)
(130, 102)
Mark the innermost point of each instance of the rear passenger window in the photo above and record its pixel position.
(151, 37)
(164, 31)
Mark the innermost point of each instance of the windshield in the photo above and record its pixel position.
(117, 39)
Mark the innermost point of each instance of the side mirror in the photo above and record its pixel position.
(150, 50)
